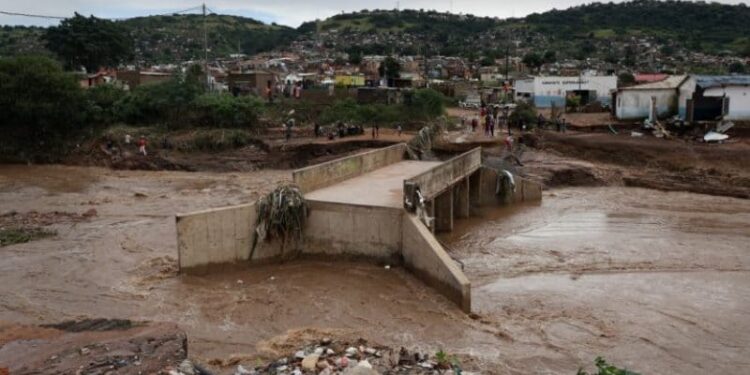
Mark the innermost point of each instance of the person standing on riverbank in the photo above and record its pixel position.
(142, 146)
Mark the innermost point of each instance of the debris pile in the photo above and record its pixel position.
(328, 357)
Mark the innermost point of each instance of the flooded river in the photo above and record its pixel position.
(655, 281)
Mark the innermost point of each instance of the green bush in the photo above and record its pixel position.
(224, 110)
(525, 112)
(101, 102)
(426, 104)
(43, 108)
(165, 102)
(604, 368)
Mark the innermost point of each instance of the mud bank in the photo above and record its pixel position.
(670, 165)
(654, 281)
(91, 347)
(190, 152)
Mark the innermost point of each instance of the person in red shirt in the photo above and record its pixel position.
(142, 146)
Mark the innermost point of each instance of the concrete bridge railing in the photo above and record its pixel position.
(329, 173)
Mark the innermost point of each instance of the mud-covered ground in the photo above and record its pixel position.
(655, 281)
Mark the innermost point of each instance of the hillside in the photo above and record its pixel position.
(618, 33)
(180, 37)
(578, 32)
(164, 39)
(709, 27)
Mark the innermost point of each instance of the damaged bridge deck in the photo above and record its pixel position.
(382, 187)
(376, 205)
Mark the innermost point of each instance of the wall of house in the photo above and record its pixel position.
(635, 104)
(553, 90)
(685, 91)
(739, 100)
(326, 174)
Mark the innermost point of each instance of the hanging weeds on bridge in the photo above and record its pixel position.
(281, 215)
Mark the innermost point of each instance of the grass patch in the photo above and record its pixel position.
(12, 236)
(604, 33)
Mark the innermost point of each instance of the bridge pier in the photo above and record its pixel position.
(461, 199)
(443, 208)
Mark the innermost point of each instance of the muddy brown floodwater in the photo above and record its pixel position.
(655, 281)
(658, 282)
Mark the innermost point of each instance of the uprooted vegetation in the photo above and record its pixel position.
(281, 215)
(12, 236)
(17, 228)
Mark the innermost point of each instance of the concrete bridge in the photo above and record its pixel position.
(376, 206)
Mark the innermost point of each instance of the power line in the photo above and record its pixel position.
(17, 14)
(30, 15)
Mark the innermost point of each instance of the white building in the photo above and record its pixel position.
(546, 91)
(705, 98)
(634, 103)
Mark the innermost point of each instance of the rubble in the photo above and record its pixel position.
(328, 357)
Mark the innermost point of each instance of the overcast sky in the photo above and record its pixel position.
(286, 12)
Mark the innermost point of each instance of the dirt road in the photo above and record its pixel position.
(652, 280)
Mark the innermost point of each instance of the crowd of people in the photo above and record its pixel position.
(493, 118)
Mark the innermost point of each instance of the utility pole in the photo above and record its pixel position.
(507, 56)
(205, 49)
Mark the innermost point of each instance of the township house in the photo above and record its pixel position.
(634, 102)
(545, 92)
(692, 98)
(704, 98)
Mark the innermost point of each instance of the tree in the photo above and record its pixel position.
(549, 57)
(43, 108)
(389, 68)
(89, 42)
(355, 58)
(533, 60)
(626, 78)
(487, 61)
(427, 104)
(737, 67)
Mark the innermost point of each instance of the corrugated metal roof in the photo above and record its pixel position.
(671, 82)
(649, 77)
(719, 81)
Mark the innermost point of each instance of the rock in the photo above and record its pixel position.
(186, 367)
(297, 372)
(370, 351)
(85, 351)
(326, 371)
(322, 365)
(364, 363)
(310, 362)
(318, 351)
(342, 362)
(300, 354)
(242, 371)
(361, 370)
(330, 351)
(140, 195)
(282, 368)
(351, 351)
(326, 341)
